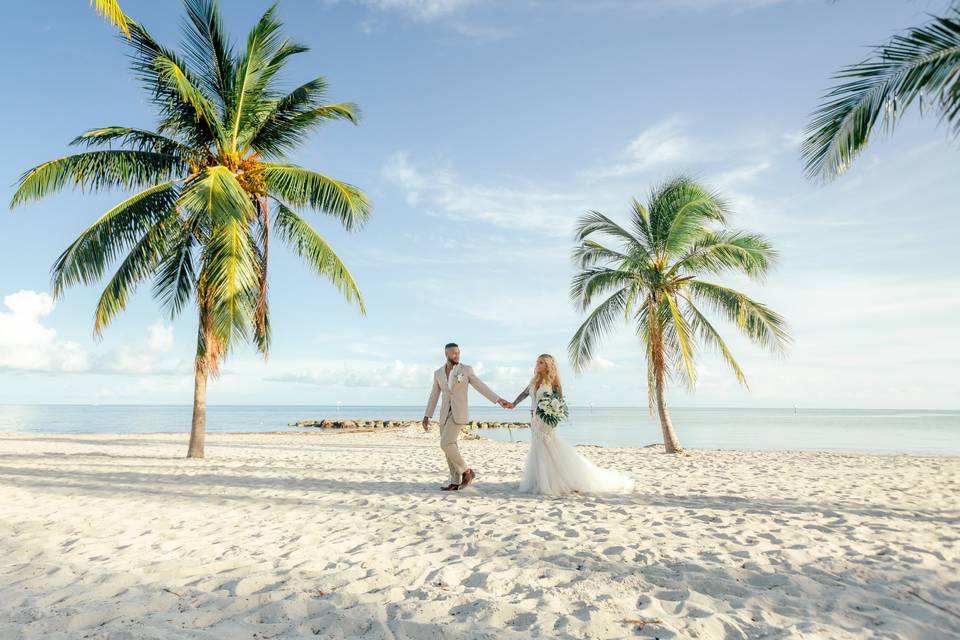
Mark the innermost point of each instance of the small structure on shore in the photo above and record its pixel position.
(396, 424)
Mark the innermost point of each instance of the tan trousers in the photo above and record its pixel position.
(449, 432)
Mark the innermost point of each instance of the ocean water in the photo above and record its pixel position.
(851, 430)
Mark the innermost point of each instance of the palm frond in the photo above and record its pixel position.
(318, 255)
(640, 221)
(758, 322)
(598, 323)
(110, 9)
(209, 51)
(178, 116)
(302, 188)
(230, 270)
(262, 333)
(594, 281)
(681, 209)
(231, 274)
(142, 260)
(176, 276)
(684, 341)
(253, 70)
(96, 170)
(705, 330)
(720, 251)
(215, 194)
(136, 139)
(590, 253)
(285, 127)
(595, 222)
(922, 64)
(186, 89)
(87, 257)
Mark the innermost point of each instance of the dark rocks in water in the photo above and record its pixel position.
(350, 424)
(393, 424)
(499, 425)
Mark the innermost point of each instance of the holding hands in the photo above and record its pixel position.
(506, 405)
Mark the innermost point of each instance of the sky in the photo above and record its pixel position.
(488, 127)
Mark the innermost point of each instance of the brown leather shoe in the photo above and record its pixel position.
(450, 487)
(468, 477)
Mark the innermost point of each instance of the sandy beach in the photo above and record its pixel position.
(347, 536)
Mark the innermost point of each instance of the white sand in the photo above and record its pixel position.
(347, 536)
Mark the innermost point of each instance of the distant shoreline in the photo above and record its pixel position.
(480, 434)
(346, 407)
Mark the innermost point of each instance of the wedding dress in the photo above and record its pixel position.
(554, 467)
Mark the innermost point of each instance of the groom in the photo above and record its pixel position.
(451, 382)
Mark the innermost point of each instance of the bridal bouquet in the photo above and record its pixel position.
(552, 409)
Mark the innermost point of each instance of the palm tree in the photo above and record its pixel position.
(110, 9)
(206, 181)
(923, 65)
(654, 277)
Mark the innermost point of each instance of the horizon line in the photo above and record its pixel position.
(407, 406)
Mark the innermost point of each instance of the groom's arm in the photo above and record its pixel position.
(487, 392)
(431, 402)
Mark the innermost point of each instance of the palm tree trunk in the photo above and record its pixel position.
(670, 440)
(198, 427)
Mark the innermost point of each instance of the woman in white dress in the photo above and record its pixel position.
(554, 467)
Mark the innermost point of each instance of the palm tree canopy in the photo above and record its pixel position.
(110, 9)
(922, 65)
(652, 271)
(205, 181)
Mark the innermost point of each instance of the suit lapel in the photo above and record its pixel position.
(445, 379)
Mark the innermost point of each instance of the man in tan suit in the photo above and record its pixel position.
(450, 382)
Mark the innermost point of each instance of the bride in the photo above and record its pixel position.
(554, 467)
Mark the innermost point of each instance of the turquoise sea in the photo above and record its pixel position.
(853, 430)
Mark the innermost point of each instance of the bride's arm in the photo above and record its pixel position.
(523, 395)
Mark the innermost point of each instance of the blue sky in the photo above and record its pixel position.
(488, 127)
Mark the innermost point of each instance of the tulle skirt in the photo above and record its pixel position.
(554, 467)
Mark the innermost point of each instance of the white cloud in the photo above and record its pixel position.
(160, 337)
(504, 380)
(421, 9)
(663, 143)
(739, 5)
(392, 375)
(396, 374)
(441, 192)
(151, 358)
(733, 177)
(26, 344)
(484, 32)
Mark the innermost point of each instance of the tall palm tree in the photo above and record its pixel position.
(212, 184)
(922, 65)
(654, 277)
(110, 9)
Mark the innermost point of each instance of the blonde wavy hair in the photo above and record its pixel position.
(551, 377)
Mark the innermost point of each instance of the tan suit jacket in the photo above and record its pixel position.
(454, 397)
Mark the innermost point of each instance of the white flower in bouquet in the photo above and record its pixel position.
(552, 409)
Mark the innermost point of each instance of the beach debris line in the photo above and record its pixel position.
(396, 424)
(641, 623)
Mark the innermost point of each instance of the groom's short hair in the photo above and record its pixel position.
(451, 345)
